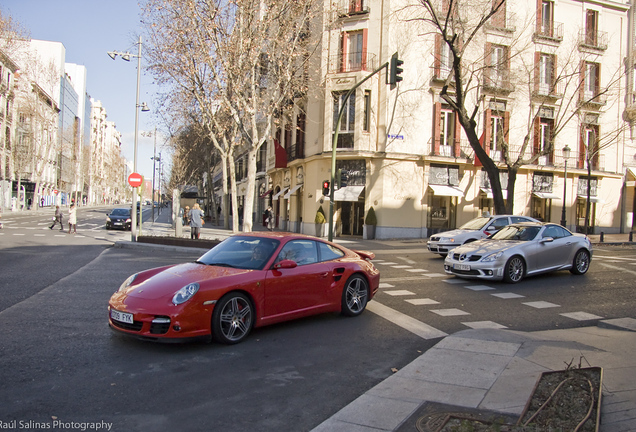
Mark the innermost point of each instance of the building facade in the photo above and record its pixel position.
(550, 74)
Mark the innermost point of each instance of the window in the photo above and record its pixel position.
(301, 251)
(546, 74)
(589, 145)
(496, 134)
(443, 59)
(353, 47)
(447, 128)
(543, 140)
(591, 80)
(591, 27)
(498, 20)
(496, 130)
(348, 121)
(498, 65)
(356, 6)
(328, 252)
(545, 18)
(366, 124)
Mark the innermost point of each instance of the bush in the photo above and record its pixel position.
(320, 216)
(371, 219)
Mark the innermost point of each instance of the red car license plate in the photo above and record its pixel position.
(121, 316)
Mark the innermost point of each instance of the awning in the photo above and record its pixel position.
(293, 191)
(592, 199)
(282, 191)
(348, 193)
(269, 192)
(441, 190)
(488, 193)
(546, 195)
(632, 171)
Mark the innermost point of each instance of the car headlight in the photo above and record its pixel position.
(492, 257)
(446, 240)
(128, 282)
(184, 294)
(128, 220)
(107, 219)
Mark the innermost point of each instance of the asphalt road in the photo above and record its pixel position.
(60, 361)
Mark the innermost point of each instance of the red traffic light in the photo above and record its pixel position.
(325, 187)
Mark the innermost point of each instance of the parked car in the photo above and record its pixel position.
(248, 280)
(521, 250)
(471, 231)
(118, 218)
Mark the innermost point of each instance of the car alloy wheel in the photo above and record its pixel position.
(233, 318)
(355, 295)
(515, 270)
(581, 262)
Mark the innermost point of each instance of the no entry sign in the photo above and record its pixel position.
(135, 179)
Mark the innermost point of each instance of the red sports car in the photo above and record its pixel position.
(248, 280)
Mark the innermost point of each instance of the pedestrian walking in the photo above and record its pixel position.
(72, 218)
(196, 221)
(59, 216)
(269, 218)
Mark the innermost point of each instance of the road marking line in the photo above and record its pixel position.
(581, 316)
(541, 304)
(619, 268)
(385, 285)
(455, 281)
(484, 325)
(416, 270)
(401, 266)
(449, 312)
(508, 295)
(479, 287)
(407, 260)
(387, 263)
(419, 302)
(408, 323)
(399, 293)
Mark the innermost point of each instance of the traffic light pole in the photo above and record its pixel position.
(335, 143)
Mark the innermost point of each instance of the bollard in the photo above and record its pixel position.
(178, 227)
(631, 236)
(602, 236)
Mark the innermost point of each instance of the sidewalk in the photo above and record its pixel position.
(484, 369)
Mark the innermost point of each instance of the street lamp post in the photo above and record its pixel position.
(566, 156)
(126, 56)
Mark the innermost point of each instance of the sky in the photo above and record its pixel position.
(88, 29)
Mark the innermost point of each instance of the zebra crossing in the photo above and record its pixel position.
(391, 287)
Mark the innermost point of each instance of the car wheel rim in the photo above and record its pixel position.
(516, 270)
(582, 262)
(236, 319)
(356, 295)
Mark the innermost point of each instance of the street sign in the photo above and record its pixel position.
(135, 179)
(55, 191)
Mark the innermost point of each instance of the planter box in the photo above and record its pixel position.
(569, 392)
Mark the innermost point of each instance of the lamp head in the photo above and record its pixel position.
(112, 54)
(126, 56)
(566, 151)
(144, 107)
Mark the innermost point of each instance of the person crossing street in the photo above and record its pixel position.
(59, 216)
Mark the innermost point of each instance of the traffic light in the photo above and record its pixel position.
(342, 177)
(395, 71)
(325, 187)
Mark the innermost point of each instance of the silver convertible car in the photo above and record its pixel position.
(521, 250)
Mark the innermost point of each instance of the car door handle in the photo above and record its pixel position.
(325, 274)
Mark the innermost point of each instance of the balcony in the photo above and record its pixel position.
(502, 24)
(355, 62)
(594, 40)
(440, 73)
(592, 100)
(497, 81)
(295, 151)
(552, 32)
(349, 8)
(548, 92)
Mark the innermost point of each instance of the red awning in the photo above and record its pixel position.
(269, 192)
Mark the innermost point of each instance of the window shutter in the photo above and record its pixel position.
(582, 146)
(539, 15)
(597, 78)
(488, 72)
(438, 55)
(536, 139)
(537, 70)
(582, 81)
(365, 33)
(553, 78)
(458, 135)
(506, 126)
(488, 130)
(437, 117)
(343, 51)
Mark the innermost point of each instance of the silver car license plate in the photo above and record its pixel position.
(121, 316)
(464, 267)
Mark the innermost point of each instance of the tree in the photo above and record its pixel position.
(243, 58)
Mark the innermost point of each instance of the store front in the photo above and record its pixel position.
(443, 196)
(581, 205)
(542, 196)
(349, 197)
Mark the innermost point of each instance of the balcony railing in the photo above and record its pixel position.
(596, 40)
(548, 90)
(295, 151)
(552, 31)
(593, 100)
(353, 62)
(353, 7)
(507, 24)
(497, 80)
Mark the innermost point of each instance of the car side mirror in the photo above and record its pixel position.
(547, 240)
(286, 264)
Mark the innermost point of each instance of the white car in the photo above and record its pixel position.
(476, 229)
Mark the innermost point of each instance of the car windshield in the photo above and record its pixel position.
(120, 212)
(517, 232)
(241, 252)
(475, 224)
